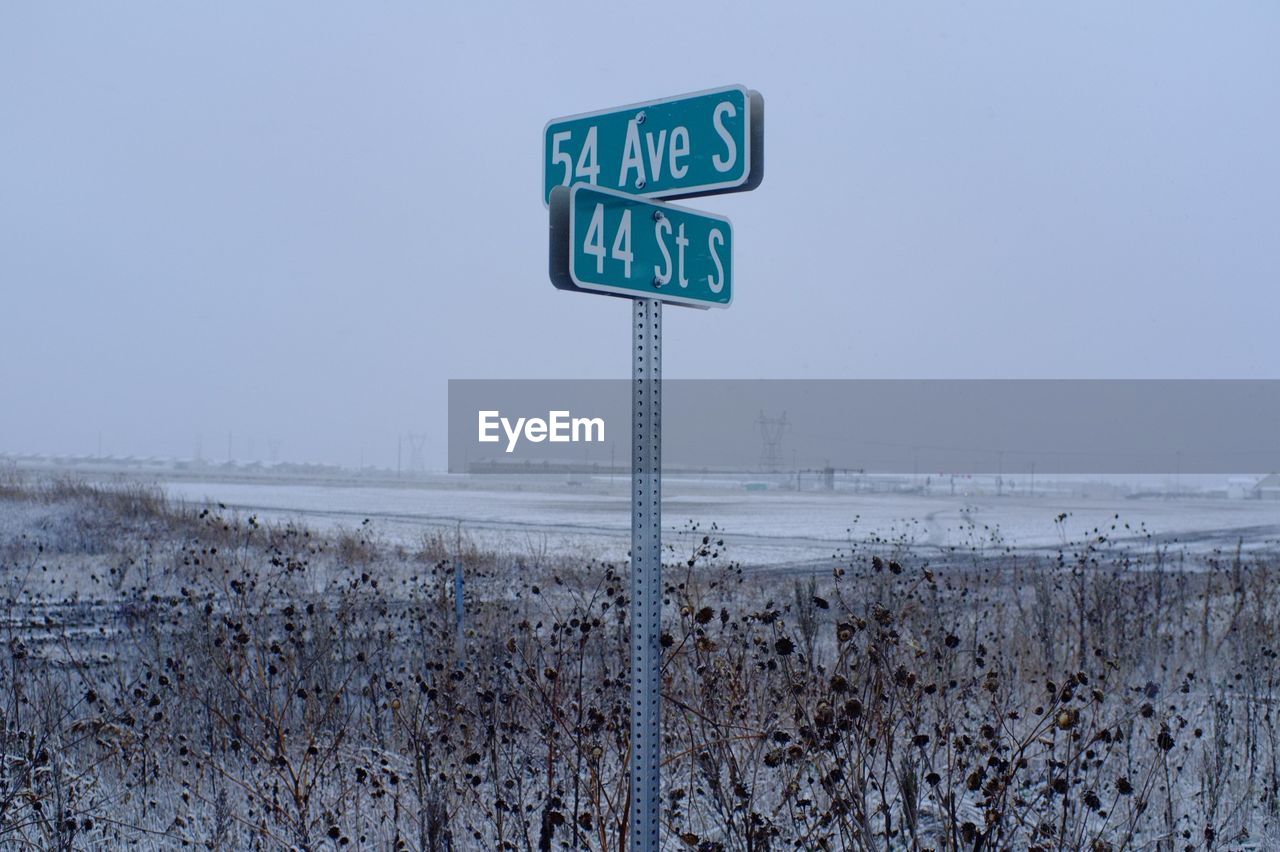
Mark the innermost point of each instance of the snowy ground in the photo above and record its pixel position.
(771, 527)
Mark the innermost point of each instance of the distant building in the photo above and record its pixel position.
(1252, 488)
(1241, 487)
(1268, 488)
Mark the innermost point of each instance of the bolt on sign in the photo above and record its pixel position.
(611, 242)
(698, 144)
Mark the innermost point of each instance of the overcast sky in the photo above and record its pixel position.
(296, 222)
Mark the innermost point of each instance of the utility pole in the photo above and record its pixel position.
(771, 431)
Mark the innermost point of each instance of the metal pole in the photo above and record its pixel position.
(646, 572)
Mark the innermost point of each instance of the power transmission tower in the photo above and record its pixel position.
(771, 431)
(417, 461)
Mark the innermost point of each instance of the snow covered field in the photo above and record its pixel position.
(772, 527)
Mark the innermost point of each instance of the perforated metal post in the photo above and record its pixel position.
(646, 572)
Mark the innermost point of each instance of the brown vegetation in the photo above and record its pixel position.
(230, 684)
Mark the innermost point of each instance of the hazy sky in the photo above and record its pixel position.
(296, 222)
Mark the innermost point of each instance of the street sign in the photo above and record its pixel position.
(597, 170)
(697, 144)
(607, 241)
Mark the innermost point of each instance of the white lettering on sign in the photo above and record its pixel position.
(622, 242)
(588, 163)
(593, 243)
(632, 158)
(673, 148)
(723, 164)
(655, 153)
(559, 427)
(679, 149)
(681, 242)
(715, 282)
(588, 160)
(558, 156)
(662, 274)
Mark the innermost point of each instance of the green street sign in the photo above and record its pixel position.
(698, 144)
(613, 242)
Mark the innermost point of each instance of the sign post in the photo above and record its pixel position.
(646, 573)
(598, 171)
